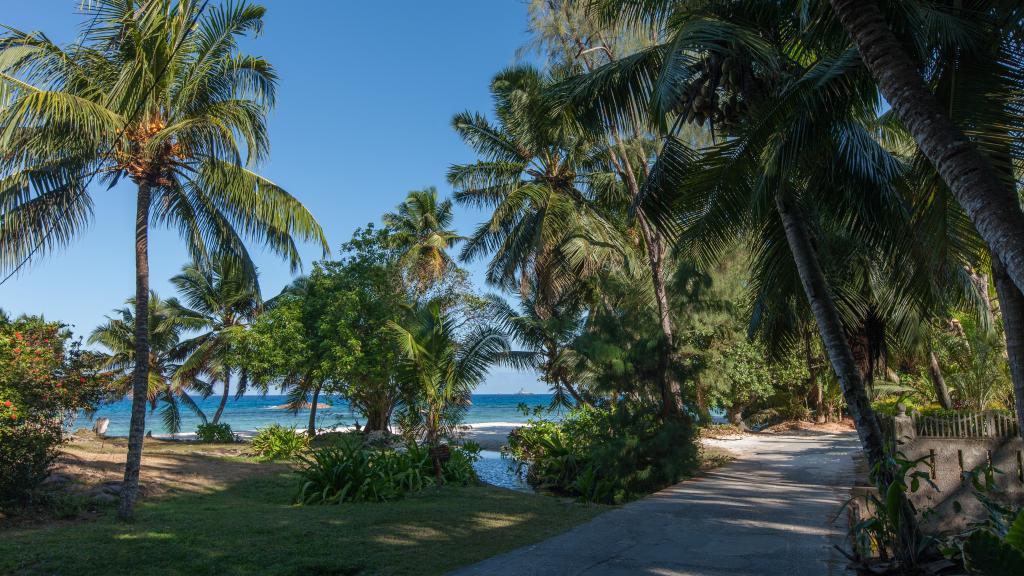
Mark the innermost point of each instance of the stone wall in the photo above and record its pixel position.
(951, 446)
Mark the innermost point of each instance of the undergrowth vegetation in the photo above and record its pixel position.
(606, 455)
(353, 471)
(277, 442)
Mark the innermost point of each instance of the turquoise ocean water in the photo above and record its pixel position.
(251, 412)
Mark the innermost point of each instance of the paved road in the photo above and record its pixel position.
(769, 513)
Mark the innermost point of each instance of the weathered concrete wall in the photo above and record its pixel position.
(952, 446)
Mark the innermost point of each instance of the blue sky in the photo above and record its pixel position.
(366, 93)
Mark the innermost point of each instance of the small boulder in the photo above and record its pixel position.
(56, 480)
(104, 498)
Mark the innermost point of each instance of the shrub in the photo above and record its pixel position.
(352, 471)
(45, 379)
(608, 455)
(278, 442)
(215, 433)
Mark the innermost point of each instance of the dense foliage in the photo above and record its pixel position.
(608, 455)
(45, 379)
(353, 471)
(215, 433)
(277, 442)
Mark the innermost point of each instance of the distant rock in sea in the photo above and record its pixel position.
(305, 406)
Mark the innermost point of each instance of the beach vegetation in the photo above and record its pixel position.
(352, 470)
(277, 442)
(215, 433)
(608, 455)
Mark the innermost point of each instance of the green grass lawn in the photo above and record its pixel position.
(251, 528)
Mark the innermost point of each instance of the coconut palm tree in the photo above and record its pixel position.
(156, 93)
(534, 172)
(546, 343)
(166, 385)
(441, 368)
(421, 229)
(222, 299)
(968, 173)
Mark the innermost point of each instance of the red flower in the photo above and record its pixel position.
(7, 403)
(17, 350)
(82, 379)
(17, 335)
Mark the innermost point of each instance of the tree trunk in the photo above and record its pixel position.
(817, 394)
(941, 390)
(223, 397)
(851, 380)
(967, 173)
(832, 334)
(312, 411)
(140, 375)
(1011, 306)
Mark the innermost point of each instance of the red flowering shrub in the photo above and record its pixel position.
(45, 379)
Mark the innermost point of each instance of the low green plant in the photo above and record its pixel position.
(278, 442)
(885, 534)
(215, 433)
(995, 545)
(350, 470)
(606, 455)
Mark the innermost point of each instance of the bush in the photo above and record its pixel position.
(352, 471)
(45, 379)
(278, 442)
(608, 455)
(215, 433)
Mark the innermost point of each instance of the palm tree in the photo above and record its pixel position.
(547, 341)
(963, 167)
(222, 299)
(534, 172)
(158, 93)
(441, 369)
(421, 229)
(166, 385)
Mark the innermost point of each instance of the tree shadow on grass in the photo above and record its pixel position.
(249, 526)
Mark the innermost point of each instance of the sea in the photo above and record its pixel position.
(248, 413)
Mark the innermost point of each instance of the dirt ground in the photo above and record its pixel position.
(167, 465)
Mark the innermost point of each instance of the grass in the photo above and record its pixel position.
(250, 527)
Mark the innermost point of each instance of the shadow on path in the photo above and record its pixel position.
(772, 512)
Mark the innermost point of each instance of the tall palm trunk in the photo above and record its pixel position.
(966, 172)
(140, 376)
(935, 373)
(1011, 305)
(831, 329)
(223, 396)
(851, 379)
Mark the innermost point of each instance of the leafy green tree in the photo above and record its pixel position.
(439, 369)
(421, 229)
(166, 387)
(158, 93)
(223, 299)
(303, 342)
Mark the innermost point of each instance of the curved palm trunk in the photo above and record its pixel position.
(140, 376)
(963, 168)
(223, 397)
(935, 373)
(841, 355)
(1011, 305)
(831, 329)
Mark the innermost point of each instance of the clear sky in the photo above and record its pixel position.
(366, 94)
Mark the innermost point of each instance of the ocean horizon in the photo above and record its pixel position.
(251, 412)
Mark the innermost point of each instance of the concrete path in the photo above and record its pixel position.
(769, 513)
